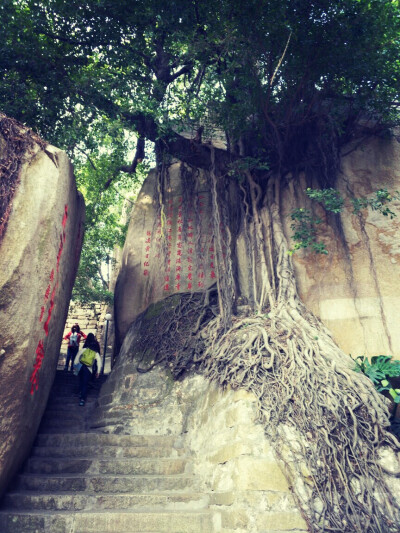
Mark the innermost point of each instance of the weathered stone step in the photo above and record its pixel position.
(67, 387)
(71, 388)
(64, 414)
(107, 522)
(107, 451)
(60, 425)
(104, 483)
(56, 422)
(64, 501)
(104, 439)
(71, 404)
(82, 465)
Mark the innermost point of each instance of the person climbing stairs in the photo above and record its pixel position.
(79, 479)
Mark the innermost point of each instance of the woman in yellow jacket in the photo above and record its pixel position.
(89, 354)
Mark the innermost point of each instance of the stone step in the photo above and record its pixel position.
(70, 403)
(105, 439)
(61, 425)
(72, 501)
(104, 483)
(107, 451)
(82, 465)
(64, 414)
(57, 422)
(67, 385)
(107, 522)
(65, 390)
(70, 429)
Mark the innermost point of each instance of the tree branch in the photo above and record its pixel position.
(88, 158)
(183, 70)
(186, 150)
(131, 169)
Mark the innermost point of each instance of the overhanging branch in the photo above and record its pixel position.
(189, 151)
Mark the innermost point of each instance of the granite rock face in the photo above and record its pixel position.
(355, 289)
(39, 256)
(165, 253)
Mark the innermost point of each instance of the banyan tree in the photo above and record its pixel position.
(265, 99)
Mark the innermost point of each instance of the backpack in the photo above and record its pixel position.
(73, 340)
(87, 357)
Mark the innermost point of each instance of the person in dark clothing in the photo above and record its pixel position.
(89, 354)
(74, 338)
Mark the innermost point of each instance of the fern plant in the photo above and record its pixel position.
(380, 370)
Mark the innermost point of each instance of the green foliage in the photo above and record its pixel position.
(304, 229)
(305, 226)
(377, 203)
(66, 65)
(286, 81)
(329, 198)
(107, 212)
(380, 369)
(247, 164)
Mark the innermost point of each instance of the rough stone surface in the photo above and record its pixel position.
(39, 256)
(231, 459)
(355, 289)
(151, 270)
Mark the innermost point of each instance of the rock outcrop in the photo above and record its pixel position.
(165, 252)
(39, 256)
(354, 289)
(233, 463)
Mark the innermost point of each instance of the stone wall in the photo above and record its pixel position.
(236, 464)
(231, 458)
(90, 317)
(39, 256)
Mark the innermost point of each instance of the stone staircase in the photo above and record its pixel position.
(81, 480)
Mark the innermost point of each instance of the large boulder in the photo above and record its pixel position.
(354, 289)
(165, 253)
(39, 256)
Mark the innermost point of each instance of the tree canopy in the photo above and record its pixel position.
(282, 77)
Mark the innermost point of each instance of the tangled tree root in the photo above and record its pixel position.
(176, 339)
(327, 422)
(16, 143)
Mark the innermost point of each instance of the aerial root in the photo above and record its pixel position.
(304, 393)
